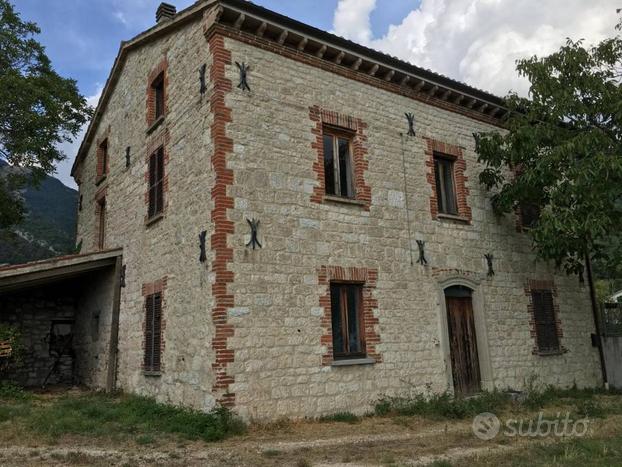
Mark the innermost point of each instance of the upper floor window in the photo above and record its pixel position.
(338, 173)
(156, 183)
(157, 88)
(545, 321)
(102, 158)
(445, 185)
(347, 320)
(529, 215)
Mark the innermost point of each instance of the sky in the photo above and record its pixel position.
(474, 41)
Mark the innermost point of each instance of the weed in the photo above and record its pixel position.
(589, 409)
(303, 463)
(145, 439)
(11, 391)
(440, 463)
(344, 417)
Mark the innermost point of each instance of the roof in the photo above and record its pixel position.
(25, 275)
(246, 18)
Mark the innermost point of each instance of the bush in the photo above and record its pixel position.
(11, 391)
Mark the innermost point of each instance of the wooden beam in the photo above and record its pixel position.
(302, 44)
(282, 37)
(320, 53)
(389, 75)
(356, 65)
(238, 22)
(339, 57)
(405, 80)
(261, 29)
(374, 69)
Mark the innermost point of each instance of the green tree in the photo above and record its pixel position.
(563, 153)
(38, 110)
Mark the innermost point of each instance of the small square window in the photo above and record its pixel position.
(529, 215)
(158, 95)
(347, 323)
(445, 186)
(338, 173)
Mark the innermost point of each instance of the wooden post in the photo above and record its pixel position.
(114, 327)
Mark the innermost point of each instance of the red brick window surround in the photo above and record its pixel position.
(156, 177)
(450, 160)
(546, 328)
(153, 326)
(349, 300)
(344, 138)
(157, 94)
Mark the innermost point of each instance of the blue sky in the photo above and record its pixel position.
(474, 41)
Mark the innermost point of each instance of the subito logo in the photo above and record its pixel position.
(486, 426)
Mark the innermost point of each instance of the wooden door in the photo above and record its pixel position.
(463, 345)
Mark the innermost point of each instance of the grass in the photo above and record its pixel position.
(445, 406)
(100, 415)
(576, 452)
(344, 417)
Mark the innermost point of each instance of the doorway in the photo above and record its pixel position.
(462, 340)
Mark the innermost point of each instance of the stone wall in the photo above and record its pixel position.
(33, 314)
(246, 326)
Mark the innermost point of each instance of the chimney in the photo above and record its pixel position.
(165, 12)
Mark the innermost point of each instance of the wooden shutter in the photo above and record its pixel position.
(153, 332)
(545, 321)
(156, 182)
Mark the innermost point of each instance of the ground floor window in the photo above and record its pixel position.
(545, 321)
(347, 325)
(153, 332)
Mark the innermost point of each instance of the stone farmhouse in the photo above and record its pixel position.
(284, 222)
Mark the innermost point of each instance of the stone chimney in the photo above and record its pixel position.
(165, 12)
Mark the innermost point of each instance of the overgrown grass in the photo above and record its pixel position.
(101, 415)
(10, 391)
(445, 406)
(345, 417)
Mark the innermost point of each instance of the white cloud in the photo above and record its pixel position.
(479, 41)
(63, 169)
(352, 19)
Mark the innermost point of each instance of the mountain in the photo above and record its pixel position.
(48, 228)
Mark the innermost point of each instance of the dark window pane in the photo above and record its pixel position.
(440, 195)
(530, 214)
(158, 89)
(338, 344)
(345, 173)
(444, 171)
(329, 165)
(354, 341)
(544, 317)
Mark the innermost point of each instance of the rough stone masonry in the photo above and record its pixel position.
(253, 329)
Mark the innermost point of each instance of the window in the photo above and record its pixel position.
(158, 96)
(338, 176)
(347, 327)
(445, 190)
(102, 158)
(529, 215)
(545, 322)
(153, 332)
(101, 223)
(156, 183)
